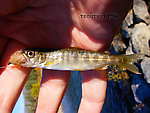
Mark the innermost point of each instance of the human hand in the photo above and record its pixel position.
(56, 24)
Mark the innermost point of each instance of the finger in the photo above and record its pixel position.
(12, 46)
(12, 81)
(93, 91)
(52, 90)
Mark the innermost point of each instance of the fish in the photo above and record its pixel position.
(73, 59)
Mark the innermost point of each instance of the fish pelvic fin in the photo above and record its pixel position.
(128, 60)
(130, 67)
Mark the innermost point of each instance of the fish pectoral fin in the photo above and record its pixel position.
(130, 67)
(101, 68)
(52, 62)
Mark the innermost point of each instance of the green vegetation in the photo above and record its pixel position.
(32, 86)
(138, 107)
(117, 74)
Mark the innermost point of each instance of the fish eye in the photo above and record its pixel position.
(31, 54)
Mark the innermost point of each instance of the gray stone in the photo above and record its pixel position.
(148, 4)
(134, 87)
(141, 91)
(139, 42)
(118, 46)
(145, 65)
(138, 14)
(140, 10)
(127, 25)
(129, 49)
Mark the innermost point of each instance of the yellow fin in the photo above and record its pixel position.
(128, 60)
(79, 70)
(49, 63)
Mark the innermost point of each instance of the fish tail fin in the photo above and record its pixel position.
(128, 61)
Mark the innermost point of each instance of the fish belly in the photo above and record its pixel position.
(77, 64)
(79, 60)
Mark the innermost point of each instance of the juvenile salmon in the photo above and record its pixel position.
(73, 59)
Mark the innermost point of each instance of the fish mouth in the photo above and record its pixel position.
(17, 58)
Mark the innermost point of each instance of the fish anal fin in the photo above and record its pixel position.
(130, 67)
(101, 68)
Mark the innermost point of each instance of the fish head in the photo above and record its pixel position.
(26, 58)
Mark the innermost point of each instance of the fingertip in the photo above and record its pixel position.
(93, 91)
(12, 81)
(52, 89)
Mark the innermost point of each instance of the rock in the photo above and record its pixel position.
(129, 49)
(138, 14)
(127, 25)
(118, 46)
(145, 65)
(139, 42)
(134, 87)
(141, 91)
(148, 4)
(140, 10)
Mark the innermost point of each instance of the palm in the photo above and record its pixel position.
(44, 26)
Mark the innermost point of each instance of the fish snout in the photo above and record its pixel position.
(17, 58)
